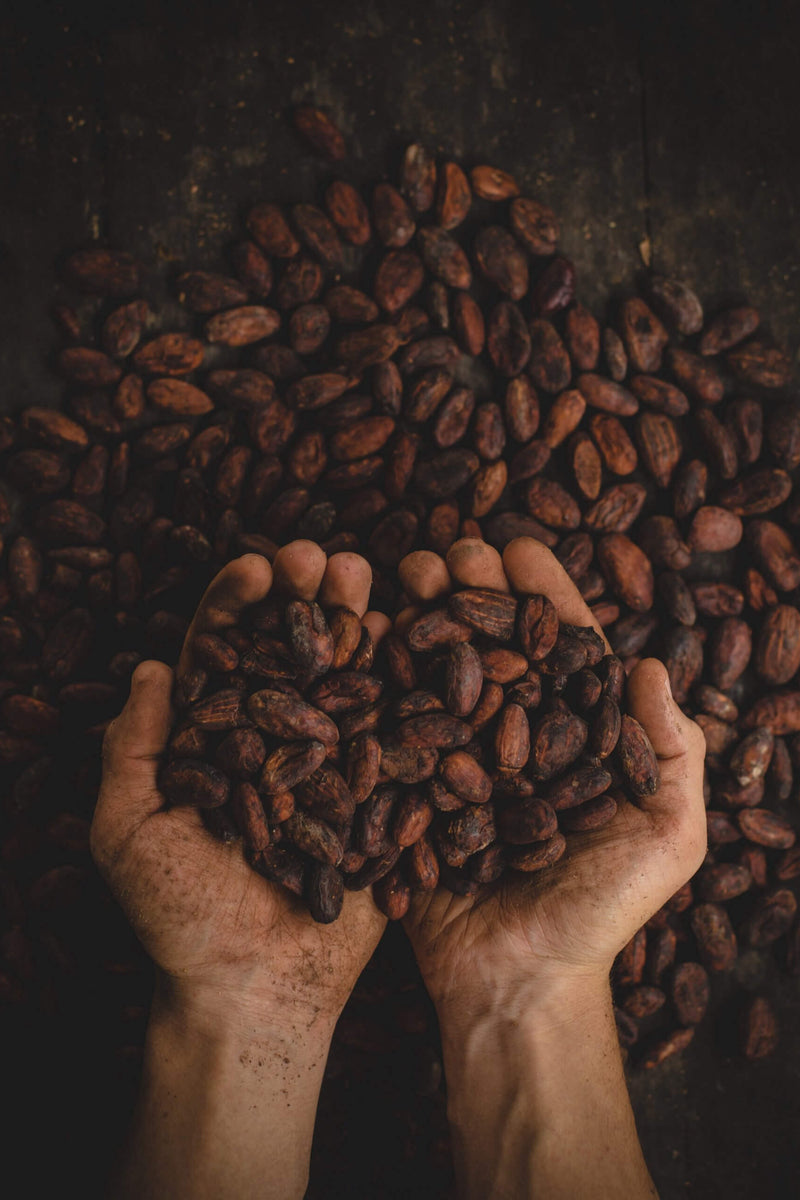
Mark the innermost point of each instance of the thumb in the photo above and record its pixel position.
(680, 748)
(132, 747)
(650, 702)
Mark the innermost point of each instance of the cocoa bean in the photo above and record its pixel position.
(286, 717)
(617, 509)
(728, 329)
(464, 680)
(508, 339)
(629, 964)
(171, 354)
(556, 741)
(535, 225)
(643, 334)
(731, 647)
(463, 776)
(423, 865)
(637, 758)
(683, 658)
(716, 941)
(491, 613)
(552, 504)
(759, 1029)
(532, 820)
(191, 781)
(689, 487)
(502, 261)
(582, 336)
(549, 366)
(773, 916)
(761, 364)
(757, 493)
(538, 855)
(324, 793)
(714, 529)
(408, 764)
(765, 828)
(689, 993)
(719, 443)
(445, 259)
(392, 895)
(677, 303)
(392, 217)
(435, 730)
(618, 451)
(586, 465)
(723, 882)
(627, 569)
(412, 816)
(512, 738)
(314, 838)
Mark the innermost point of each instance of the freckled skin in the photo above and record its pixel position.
(519, 976)
(627, 869)
(245, 976)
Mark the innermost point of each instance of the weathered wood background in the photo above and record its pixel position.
(663, 132)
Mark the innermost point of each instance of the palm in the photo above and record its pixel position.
(218, 915)
(578, 914)
(199, 909)
(549, 919)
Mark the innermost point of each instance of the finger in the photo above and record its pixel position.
(132, 748)
(678, 743)
(405, 618)
(650, 702)
(298, 569)
(378, 625)
(475, 564)
(244, 581)
(424, 576)
(533, 569)
(346, 582)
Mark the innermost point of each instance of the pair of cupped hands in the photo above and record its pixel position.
(229, 942)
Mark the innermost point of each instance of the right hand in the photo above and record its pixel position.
(549, 932)
(222, 935)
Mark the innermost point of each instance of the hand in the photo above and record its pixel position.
(569, 922)
(248, 987)
(221, 935)
(537, 1101)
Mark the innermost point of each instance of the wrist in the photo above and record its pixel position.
(537, 1101)
(228, 1098)
(523, 1007)
(208, 1013)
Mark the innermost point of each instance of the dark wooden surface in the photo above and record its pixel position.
(670, 133)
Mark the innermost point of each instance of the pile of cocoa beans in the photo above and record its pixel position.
(383, 374)
(265, 714)
(275, 705)
(490, 684)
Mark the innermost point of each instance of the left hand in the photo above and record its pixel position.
(225, 939)
(556, 931)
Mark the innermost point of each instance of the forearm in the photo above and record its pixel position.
(226, 1108)
(538, 1103)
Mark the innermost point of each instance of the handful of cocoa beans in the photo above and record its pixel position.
(267, 714)
(516, 725)
(501, 730)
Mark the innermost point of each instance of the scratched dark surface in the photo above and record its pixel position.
(672, 137)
